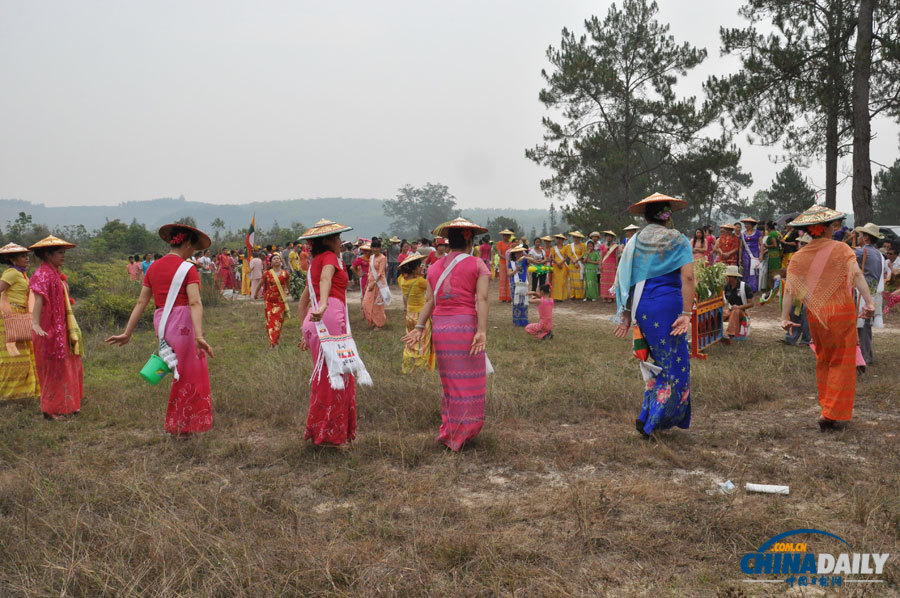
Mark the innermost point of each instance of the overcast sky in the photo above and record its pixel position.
(231, 102)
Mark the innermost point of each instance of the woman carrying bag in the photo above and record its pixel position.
(326, 334)
(18, 371)
(190, 402)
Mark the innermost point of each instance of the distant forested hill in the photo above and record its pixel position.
(364, 215)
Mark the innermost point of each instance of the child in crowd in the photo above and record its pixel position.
(544, 328)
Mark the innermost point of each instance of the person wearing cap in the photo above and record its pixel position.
(518, 276)
(559, 269)
(393, 262)
(502, 248)
(728, 246)
(871, 262)
(58, 347)
(190, 408)
(753, 243)
(372, 303)
(629, 231)
(332, 412)
(18, 370)
(574, 253)
(819, 275)
(609, 261)
(738, 300)
(413, 289)
(457, 303)
(655, 284)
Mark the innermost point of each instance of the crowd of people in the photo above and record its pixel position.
(831, 282)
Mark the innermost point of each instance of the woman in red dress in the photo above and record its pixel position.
(332, 413)
(223, 272)
(56, 336)
(276, 282)
(190, 401)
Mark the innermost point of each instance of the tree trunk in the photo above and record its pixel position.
(862, 126)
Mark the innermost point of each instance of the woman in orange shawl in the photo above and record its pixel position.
(502, 247)
(372, 303)
(821, 276)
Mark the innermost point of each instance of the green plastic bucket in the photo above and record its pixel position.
(154, 370)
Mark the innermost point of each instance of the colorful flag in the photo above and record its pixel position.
(251, 237)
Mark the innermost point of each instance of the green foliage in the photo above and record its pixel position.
(119, 239)
(623, 133)
(104, 295)
(887, 195)
(298, 284)
(417, 210)
(710, 280)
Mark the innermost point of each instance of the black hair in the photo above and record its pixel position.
(376, 243)
(42, 253)
(190, 236)
(318, 245)
(456, 237)
(652, 212)
(409, 268)
(545, 288)
(156, 256)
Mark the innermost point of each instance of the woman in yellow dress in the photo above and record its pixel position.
(245, 275)
(18, 372)
(413, 286)
(559, 275)
(574, 253)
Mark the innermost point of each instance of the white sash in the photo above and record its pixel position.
(339, 353)
(165, 351)
(754, 261)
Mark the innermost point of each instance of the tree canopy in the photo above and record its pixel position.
(417, 210)
(619, 130)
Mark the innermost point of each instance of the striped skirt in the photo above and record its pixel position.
(463, 378)
(18, 375)
(836, 346)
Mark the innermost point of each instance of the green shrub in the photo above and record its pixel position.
(110, 311)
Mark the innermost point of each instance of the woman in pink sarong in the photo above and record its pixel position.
(332, 412)
(372, 303)
(543, 329)
(190, 400)
(458, 308)
(55, 333)
(609, 261)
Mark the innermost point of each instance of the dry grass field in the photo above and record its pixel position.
(558, 496)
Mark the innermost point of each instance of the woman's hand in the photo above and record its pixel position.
(787, 325)
(479, 341)
(315, 315)
(868, 311)
(203, 347)
(412, 338)
(36, 328)
(624, 325)
(304, 346)
(681, 325)
(119, 340)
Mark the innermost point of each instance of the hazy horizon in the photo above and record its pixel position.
(230, 102)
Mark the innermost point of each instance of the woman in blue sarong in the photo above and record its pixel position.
(655, 282)
(518, 278)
